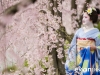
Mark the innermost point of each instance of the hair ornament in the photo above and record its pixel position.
(90, 10)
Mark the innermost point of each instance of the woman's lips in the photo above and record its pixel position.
(83, 21)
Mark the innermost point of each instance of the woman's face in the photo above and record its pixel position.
(86, 19)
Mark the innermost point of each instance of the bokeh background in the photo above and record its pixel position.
(35, 34)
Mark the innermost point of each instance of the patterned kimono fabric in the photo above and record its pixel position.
(85, 57)
(82, 61)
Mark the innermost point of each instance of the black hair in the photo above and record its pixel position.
(33, 1)
(98, 11)
(94, 15)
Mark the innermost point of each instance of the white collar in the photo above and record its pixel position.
(87, 28)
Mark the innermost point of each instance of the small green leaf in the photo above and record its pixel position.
(42, 65)
(98, 47)
(99, 36)
(10, 69)
(46, 58)
(65, 47)
(26, 63)
(99, 25)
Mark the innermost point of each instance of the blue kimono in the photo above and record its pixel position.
(84, 62)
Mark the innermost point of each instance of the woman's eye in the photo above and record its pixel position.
(85, 17)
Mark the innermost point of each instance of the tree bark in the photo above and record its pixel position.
(59, 67)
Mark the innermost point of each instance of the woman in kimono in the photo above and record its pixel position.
(84, 52)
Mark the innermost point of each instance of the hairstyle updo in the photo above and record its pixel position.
(94, 15)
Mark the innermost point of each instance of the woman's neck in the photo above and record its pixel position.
(88, 27)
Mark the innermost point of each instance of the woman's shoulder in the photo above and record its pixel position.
(97, 33)
(78, 30)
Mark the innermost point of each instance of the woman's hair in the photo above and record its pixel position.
(98, 11)
(94, 14)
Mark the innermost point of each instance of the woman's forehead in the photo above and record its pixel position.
(85, 14)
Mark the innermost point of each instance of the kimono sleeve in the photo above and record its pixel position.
(73, 42)
(98, 46)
